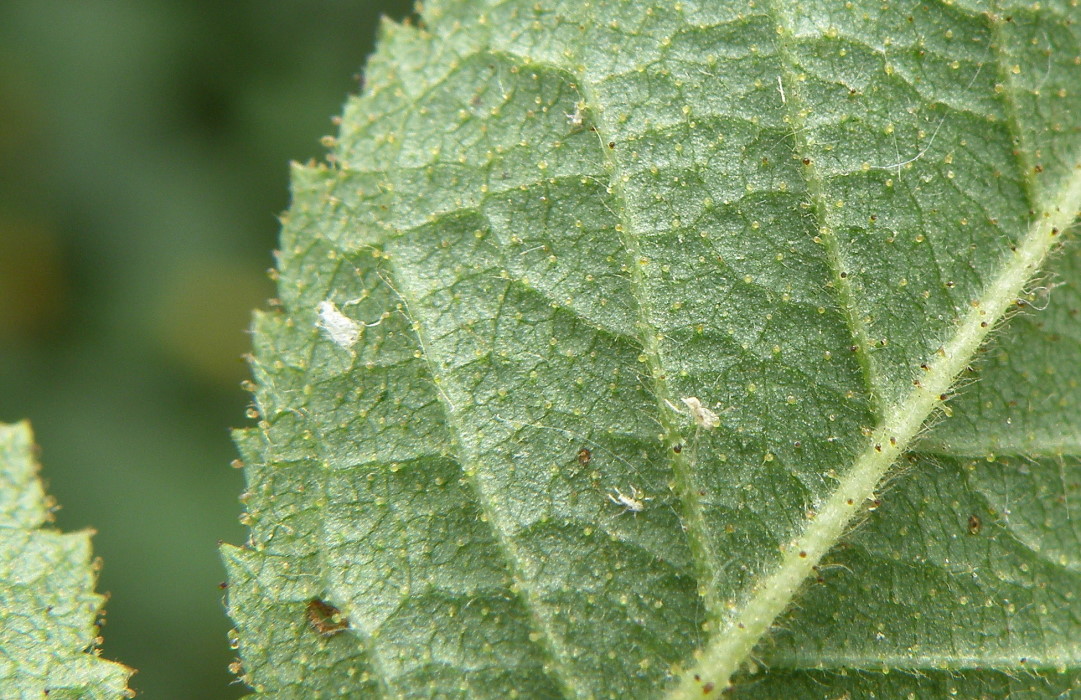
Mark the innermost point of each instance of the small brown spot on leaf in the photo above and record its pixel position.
(325, 619)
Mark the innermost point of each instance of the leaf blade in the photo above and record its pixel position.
(723, 285)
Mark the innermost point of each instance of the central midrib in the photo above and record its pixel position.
(1053, 659)
(897, 426)
(727, 651)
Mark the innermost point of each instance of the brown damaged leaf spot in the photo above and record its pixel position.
(326, 619)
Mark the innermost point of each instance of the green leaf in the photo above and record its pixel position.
(48, 641)
(546, 228)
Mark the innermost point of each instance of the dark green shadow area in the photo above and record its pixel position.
(143, 160)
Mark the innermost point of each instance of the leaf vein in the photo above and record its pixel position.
(841, 284)
(548, 641)
(690, 504)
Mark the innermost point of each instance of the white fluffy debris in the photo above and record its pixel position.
(634, 502)
(703, 417)
(342, 330)
(575, 118)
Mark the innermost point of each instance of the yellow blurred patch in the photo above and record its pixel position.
(204, 314)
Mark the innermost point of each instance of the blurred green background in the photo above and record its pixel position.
(143, 160)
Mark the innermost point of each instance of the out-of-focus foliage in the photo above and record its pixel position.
(48, 640)
(143, 151)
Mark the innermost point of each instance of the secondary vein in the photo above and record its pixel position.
(548, 640)
(693, 518)
(841, 282)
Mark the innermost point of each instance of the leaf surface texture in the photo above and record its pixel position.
(567, 218)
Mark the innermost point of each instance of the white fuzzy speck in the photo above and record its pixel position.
(703, 417)
(342, 330)
(575, 118)
(634, 502)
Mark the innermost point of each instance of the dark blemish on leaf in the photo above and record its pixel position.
(325, 619)
(677, 448)
(707, 688)
(611, 144)
(584, 456)
(974, 524)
